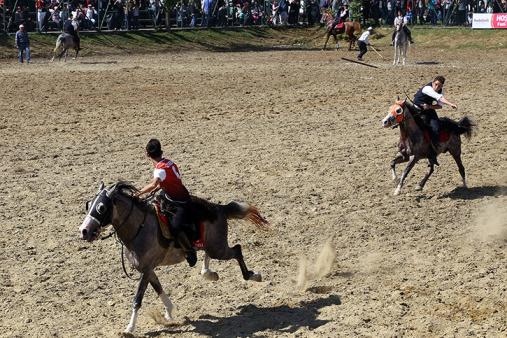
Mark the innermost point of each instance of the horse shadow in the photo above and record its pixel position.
(476, 192)
(252, 319)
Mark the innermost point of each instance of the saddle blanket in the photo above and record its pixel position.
(164, 224)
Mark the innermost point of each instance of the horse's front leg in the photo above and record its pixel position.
(412, 161)
(138, 299)
(421, 184)
(155, 283)
(206, 272)
(400, 158)
(325, 43)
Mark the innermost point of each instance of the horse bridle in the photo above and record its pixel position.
(106, 215)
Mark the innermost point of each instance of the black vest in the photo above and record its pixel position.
(420, 98)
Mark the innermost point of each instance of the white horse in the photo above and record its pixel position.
(401, 44)
(64, 42)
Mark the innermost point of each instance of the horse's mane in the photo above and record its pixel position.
(128, 190)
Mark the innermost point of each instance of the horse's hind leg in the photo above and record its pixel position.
(138, 299)
(61, 54)
(155, 283)
(235, 252)
(456, 154)
(206, 272)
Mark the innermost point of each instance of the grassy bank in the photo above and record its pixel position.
(255, 38)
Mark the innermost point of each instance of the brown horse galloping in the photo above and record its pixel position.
(415, 139)
(349, 28)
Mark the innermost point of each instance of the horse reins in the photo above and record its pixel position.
(115, 232)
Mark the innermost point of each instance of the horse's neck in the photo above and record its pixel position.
(409, 130)
(127, 218)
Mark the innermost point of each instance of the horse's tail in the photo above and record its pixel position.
(465, 126)
(245, 211)
(59, 42)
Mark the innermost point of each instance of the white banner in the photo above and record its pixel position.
(497, 20)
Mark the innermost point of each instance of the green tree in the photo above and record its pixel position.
(355, 12)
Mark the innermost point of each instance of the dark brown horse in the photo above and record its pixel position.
(349, 28)
(415, 140)
(137, 226)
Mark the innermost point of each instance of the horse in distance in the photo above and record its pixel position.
(401, 44)
(347, 27)
(64, 42)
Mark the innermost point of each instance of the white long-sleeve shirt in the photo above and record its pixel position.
(364, 37)
(428, 90)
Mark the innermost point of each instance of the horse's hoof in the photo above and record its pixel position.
(256, 277)
(168, 316)
(397, 191)
(128, 331)
(210, 275)
(418, 188)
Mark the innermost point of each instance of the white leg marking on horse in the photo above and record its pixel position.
(256, 277)
(132, 324)
(465, 183)
(418, 187)
(393, 174)
(206, 272)
(397, 191)
(168, 306)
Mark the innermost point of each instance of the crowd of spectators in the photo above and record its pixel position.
(44, 15)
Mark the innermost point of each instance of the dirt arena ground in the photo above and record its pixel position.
(298, 134)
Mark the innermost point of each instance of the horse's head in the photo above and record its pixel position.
(99, 214)
(395, 115)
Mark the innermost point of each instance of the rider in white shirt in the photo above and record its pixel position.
(401, 20)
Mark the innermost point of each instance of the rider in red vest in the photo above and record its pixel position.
(167, 177)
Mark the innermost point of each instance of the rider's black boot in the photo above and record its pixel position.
(185, 244)
(432, 155)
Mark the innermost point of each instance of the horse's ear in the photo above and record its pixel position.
(101, 186)
(397, 98)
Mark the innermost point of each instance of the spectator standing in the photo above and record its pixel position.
(294, 6)
(283, 11)
(275, 13)
(91, 16)
(207, 7)
(41, 15)
(23, 44)
(65, 13)
(55, 17)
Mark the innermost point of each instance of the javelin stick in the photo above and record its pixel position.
(376, 51)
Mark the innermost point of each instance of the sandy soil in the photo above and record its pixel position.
(297, 133)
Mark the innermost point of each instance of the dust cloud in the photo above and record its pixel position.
(491, 221)
(309, 271)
